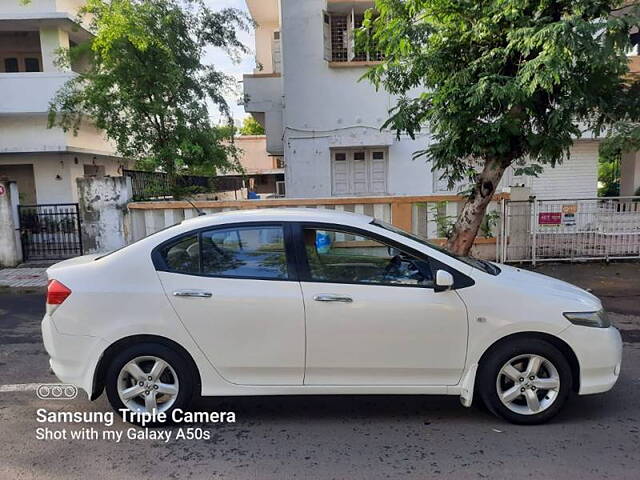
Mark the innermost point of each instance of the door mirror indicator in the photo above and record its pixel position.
(444, 281)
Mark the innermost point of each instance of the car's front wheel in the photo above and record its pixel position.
(525, 381)
(149, 378)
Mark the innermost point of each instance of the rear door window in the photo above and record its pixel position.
(183, 256)
(237, 252)
(255, 252)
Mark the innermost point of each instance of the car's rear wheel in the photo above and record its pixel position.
(149, 378)
(525, 381)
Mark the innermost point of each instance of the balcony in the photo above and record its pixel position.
(37, 14)
(263, 97)
(29, 93)
(262, 92)
(39, 8)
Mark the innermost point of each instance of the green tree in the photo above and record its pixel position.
(250, 126)
(147, 86)
(609, 173)
(500, 83)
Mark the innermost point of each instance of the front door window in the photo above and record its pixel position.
(343, 257)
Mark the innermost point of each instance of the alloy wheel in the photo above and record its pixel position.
(528, 384)
(148, 384)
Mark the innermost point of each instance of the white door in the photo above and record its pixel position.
(340, 173)
(378, 169)
(359, 173)
(230, 288)
(373, 317)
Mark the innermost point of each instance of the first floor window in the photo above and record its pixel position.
(11, 65)
(339, 33)
(359, 172)
(20, 63)
(31, 64)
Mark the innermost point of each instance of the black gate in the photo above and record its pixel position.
(50, 231)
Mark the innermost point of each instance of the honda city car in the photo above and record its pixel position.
(307, 301)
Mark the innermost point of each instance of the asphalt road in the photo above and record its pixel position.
(345, 437)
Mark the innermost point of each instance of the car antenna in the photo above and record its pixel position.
(200, 212)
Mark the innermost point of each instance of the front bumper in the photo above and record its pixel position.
(73, 358)
(599, 352)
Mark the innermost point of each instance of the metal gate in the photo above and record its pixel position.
(50, 231)
(569, 229)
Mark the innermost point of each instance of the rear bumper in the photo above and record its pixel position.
(73, 358)
(599, 352)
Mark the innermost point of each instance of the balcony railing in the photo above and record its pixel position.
(29, 92)
(262, 92)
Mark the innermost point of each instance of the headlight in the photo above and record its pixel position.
(589, 319)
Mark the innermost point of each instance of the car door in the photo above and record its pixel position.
(372, 314)
(235, 289)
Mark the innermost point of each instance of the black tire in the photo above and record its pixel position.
(490, 367)
(183, 369)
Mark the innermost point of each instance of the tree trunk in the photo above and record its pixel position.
(473, 210)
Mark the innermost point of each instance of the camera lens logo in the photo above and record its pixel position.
(56, 391)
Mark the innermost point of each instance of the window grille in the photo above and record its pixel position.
(340, 32)
(339, 39)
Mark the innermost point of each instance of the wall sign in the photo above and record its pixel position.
(549, 218)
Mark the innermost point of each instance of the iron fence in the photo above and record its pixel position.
(569, 229)
(50, 231)
(158, 185)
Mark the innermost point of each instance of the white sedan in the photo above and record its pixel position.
(303, 301)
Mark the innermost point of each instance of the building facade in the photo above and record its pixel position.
(326, 121)
(263, 173)
(44, 162)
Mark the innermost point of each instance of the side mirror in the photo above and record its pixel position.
(444, 281)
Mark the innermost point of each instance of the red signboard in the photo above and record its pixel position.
(549, 218)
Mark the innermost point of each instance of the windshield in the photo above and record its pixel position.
(483, 265)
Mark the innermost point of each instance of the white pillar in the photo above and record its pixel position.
(51, 40)
(9, 253)
(517, 194)
(629, 173)
(15, 201)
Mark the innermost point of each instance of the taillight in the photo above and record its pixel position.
(56, 293)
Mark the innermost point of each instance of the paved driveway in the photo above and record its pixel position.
(349, 437)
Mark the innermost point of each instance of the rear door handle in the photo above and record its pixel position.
(192, 293)
(330, 297)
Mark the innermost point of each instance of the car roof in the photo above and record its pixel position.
(323, 215)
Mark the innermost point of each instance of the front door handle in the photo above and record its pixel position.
(330, 297)
(192, 293)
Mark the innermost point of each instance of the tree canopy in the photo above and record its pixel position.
(250, 126)
(147, 86)
(500, 83)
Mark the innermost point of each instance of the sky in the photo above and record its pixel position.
(223, 63)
